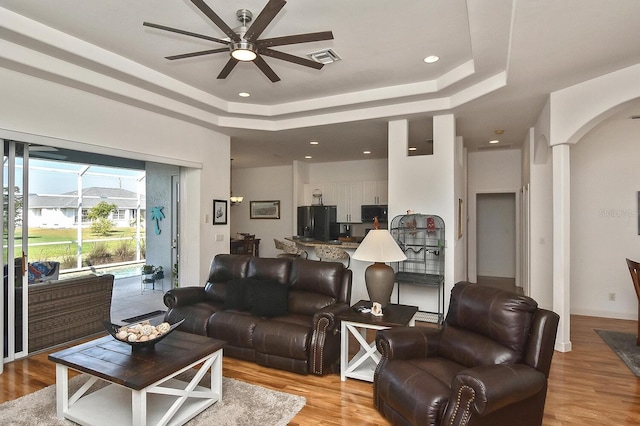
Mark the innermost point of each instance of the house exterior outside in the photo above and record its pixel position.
(61, 210)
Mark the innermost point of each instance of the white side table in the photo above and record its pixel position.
(363, 364)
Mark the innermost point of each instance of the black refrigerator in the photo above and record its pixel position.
(318, 222)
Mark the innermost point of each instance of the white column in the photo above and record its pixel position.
(562, 243)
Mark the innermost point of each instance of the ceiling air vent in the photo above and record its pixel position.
(635, 117)
(325, 56)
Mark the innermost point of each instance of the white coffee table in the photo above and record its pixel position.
(143, 389)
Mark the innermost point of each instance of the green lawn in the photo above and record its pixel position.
(101, 251)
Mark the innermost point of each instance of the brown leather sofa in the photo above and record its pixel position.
(277, 312)
(488, 364)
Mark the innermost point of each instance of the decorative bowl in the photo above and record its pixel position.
(114, 328)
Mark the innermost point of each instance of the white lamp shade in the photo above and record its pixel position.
(379, 246)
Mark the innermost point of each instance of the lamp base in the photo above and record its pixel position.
(379, 279)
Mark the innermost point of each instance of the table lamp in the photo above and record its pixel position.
(379, 246)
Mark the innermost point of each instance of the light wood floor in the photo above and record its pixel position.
(588, 386)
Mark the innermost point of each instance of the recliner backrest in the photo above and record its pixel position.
(485, 325)
(224, 268)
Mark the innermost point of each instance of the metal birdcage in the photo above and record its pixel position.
(422, 239)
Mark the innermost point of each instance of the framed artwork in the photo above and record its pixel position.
(264, 209)
(219, 212)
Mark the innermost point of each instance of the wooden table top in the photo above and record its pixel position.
(393, 315)
(117, 362)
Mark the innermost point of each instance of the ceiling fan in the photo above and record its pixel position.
(244, 43)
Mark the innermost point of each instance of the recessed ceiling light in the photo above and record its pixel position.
(494, 141)
(431, 59)
(366, 152)
(499, 131)
(308, 157)
(413, 148)
(314, 143)
(244, 94)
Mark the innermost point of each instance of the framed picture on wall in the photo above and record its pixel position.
(264, 209)
(219, 212)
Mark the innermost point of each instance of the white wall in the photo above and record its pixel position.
(605, 180)
(40, 111)
(541, 211)
(495, 171)
(425, 184)
(348, 171)
(261, 184)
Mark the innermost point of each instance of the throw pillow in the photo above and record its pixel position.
(269, 298)
(236, 295)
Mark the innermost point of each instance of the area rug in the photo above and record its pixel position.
(242, 404)
(624, 345)
(143, 316)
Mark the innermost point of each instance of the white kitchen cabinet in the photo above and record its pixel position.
(329, 195)
(375, 192)
(348, 201)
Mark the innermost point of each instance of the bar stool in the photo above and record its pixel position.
(333, 254)
(290, 249)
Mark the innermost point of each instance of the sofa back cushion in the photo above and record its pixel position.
(273, 269)
(307, 302)
(486, 325)
(319, 277)
(224, 268)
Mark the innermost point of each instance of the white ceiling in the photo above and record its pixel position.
(499, 61)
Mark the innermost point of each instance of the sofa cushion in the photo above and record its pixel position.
(268, 298)
(274, 269)
(281, 338)
(462, 346)
(224, 268)
(318, 277)
(307, 302)
(235, 327)
(494, 314)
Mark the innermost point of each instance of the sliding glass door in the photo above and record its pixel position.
(14, 249)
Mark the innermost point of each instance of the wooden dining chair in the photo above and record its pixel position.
(634, 267)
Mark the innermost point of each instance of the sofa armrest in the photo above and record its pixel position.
(330, 315)
(184, 296)
(325, 341)
(482, 390)
(408, 342)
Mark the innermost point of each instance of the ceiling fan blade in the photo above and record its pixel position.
(200, 53)
(200, 4)
(266, 69)
(264, 19)
(188, 33)
(295, 39)
(291, 58)
(231, 64)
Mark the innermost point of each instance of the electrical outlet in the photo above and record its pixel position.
(612, 297)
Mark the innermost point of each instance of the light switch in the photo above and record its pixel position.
(219, 237)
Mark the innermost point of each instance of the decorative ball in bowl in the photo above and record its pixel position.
(141, 335)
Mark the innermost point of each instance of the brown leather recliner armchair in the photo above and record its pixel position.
(487, 365)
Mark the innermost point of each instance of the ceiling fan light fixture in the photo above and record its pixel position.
(243, 51)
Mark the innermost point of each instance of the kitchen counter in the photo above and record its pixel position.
(305, 242)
